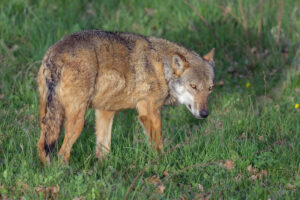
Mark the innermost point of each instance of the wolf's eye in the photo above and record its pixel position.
(210, 88)
(193, 86)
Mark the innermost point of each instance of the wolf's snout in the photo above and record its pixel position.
(204, 113)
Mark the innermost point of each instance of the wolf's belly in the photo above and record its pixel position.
(113, 102)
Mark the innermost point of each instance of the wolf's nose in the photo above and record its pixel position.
(204, 113)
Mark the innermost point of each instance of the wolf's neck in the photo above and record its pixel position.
(169, 75)
(166, 49)
(168, 71)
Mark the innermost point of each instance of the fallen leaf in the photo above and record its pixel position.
(290, 186)
(202, 196)
(285, 52)
(199, 45)
(253, 178)
(265, 53)
(253, 50)
(261, 138)
(243, 136)
(183, 198)
(230, 69)
(226, 11)
(31, 117)
(220, 125)
(238, 177)
(14, 47)
(220, 83)
(264, 172)
(48, 192)
(258, 54)
(150, 11)
(154, 180)
(264, 99)
(25, 187)
(160, 189)
(255, 173)
(154, 27)
(251, 169)
(91, 12)
(201, 188)
(165, 173)
(229, 164)
(273, 72)
(54, 6)
(79, 198)
(217, 124)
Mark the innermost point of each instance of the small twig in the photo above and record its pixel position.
(280, 12)
(261, 3)
(211, 30)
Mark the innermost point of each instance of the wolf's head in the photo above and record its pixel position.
(193, 81)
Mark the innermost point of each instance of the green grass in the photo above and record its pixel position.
(257, 126)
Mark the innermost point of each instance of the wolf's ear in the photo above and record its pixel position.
(209, 57)
(179, 64)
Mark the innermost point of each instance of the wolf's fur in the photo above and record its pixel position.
(113, 71)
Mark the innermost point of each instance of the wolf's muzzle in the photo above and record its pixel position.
(204, 113)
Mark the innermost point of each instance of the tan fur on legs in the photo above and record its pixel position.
(104, 121)
(156, 133)
(41, 149)
(42, 93)
(73, 127)
(41, 143)
(149, 116)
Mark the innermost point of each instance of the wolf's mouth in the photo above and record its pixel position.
(189, 106)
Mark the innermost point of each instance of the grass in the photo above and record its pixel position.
(256, 126)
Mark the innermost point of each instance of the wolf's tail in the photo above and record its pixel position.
(51, 110)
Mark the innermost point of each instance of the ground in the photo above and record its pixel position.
(249, 146)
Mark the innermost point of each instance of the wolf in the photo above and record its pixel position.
(112, 71)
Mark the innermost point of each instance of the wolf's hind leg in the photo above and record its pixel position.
(44, 158)
(104, 121)
(74, 123)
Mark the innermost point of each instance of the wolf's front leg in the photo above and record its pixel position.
(150, 118)
(104, 121)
